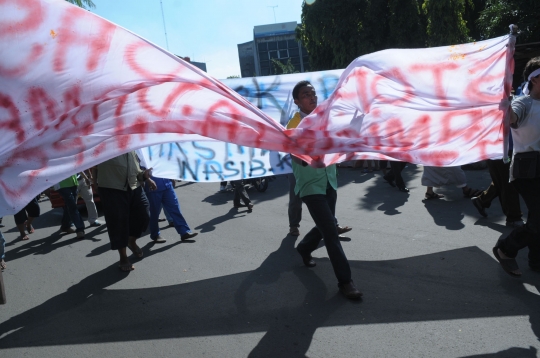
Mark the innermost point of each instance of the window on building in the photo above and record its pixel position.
(294, 52)
(295, 60)
(265, 64)
(292, 44)
(282, 45)
(262, 46)
(283, 54)
(263, 55)
(272, 45)
(273, 54)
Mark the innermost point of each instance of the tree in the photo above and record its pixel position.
(445, 23)
(406, 25)
(233, 76)
(283, 69)
(85, 4)
(336, 32)
(499, 14)
(473, 9)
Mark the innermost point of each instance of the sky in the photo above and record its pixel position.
(205, 30)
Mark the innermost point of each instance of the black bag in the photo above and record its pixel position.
(526, 165)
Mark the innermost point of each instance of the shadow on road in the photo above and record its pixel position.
(282, 298)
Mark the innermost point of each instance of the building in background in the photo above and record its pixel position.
(275, 41)
(200, 65)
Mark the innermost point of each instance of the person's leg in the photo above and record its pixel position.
(69, 195)
(508, 195)
(389, 176)
(20, 220)
(2, 251)
(139, 216)
(241, 193)
(33, 211)
(322, 210)
(172, 206)
(383, 164)
(494, 189)
(66, 224)
(154, 200)
(116, 212)
(168, 217)
(295, 207)
(88, 197)
(397, 168)
(528, 235)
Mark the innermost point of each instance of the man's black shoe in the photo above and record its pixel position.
(188, 235)
(390, 181)
(350, 291)
(478, 205)
(403, 189)
(307, 259)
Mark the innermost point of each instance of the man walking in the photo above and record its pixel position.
(317, 189)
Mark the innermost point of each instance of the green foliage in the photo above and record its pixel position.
(283, 69)
(85, 4)
(499, 14)
(406, 26)
(335, 32)
(473, 9)
(445, 23)
(233, 76)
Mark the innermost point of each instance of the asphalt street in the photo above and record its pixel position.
(431, 285)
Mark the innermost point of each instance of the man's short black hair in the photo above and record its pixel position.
(530, 67)
(297, 88)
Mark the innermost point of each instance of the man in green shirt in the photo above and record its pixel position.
(67, 188)
(317, 187)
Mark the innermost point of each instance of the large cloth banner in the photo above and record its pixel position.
(76, 90)
(219, 161)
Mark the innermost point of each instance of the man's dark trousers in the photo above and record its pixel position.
(501, 187)
(322, 209)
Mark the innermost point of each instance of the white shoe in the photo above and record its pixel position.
(518, 223)
(229, 187)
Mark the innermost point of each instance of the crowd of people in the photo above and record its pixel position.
(132, 197)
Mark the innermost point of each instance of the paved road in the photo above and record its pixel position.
(431, 286)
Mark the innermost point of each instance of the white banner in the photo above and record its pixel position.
(213, 161)
(76, 90)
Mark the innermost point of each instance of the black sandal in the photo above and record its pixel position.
(433, 195)
(508, 265)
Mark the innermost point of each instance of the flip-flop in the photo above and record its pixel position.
(30, 229)
(126, 267)
(137, 252)
(508, 265)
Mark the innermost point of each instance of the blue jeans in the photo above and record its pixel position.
(323, 209)
(168, 200)
(2, 246)
(167, 215)
(71, 213)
